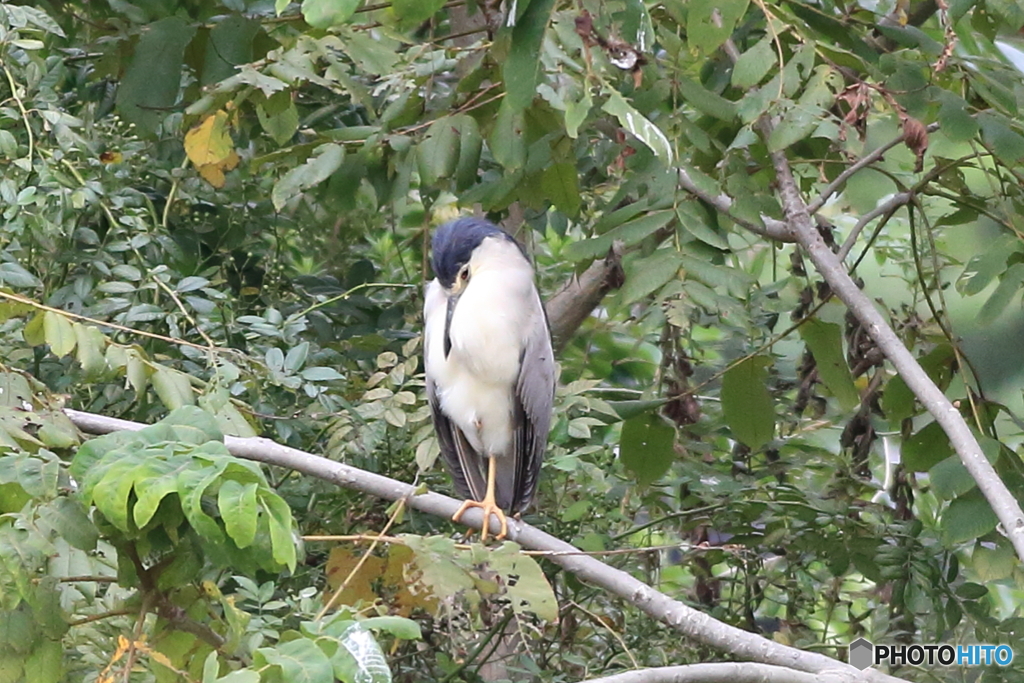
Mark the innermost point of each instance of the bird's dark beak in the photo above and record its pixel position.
(452, 300)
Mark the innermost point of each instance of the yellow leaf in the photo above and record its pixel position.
(209, 142)
(360, 587)
(209, 146)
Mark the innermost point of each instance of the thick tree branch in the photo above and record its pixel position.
(570, 306)
(685, 620)
(717, 672)
(932, 398)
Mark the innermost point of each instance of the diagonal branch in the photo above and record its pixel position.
(686, 620)
(932, 398)
(712, 672)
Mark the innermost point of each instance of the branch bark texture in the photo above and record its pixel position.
(687, 621)
(715, 672)
(1007, 510)
(570, 305)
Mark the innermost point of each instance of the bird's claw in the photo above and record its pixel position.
(489, 508)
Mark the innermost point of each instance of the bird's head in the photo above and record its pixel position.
(452, 250)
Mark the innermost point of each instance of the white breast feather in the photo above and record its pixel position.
(487, 331)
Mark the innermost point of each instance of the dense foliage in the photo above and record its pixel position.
(215, 219)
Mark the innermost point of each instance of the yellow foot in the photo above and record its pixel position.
(489, 509)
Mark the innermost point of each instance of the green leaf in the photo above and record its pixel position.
(279, 517)
(705, 101)
(399, 627)
(318, 168)
(70, 519)
(1009, 286)
(825, 340)
(506, 138)
(438, 573)
(46, 663)
(410, 13)
(576, 113)
(522, 66)
(91, 345)
(925, 449)
(561, 185)
(954, 120)
(968, 517)
(300, 661)
(237, 504)
(229, 45)
(754, 64)
(647, 447)
(59, 333)
(149, 89)
(172, 387)
(279, 123)
(746, 403)
(471, 145)
(527, 588)
(15, 275)
(805, 115)
(898, 401)
(1007, 144)
(438, 152)
(630, 233)
(34, 332)
(949, 478)
(156, 478)
(647, 274)
(639, 125)
(328, 13)
(710, 22)
(993, 564)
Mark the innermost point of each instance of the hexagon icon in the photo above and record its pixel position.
(862, 653)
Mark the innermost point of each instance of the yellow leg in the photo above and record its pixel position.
(488, 505)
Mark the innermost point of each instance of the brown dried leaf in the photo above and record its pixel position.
(916, 139)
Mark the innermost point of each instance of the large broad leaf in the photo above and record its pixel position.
(315, 170)
(438, 153)
(299, 661)
(523, 63)
(825, 341)
(647, 447)
(409, 13)
(327, 13)
(746, 403)
(710, 22)
(645, 274)
(527, 588)
(561, 185)
(925, 449)
(968, 517)
(149, 89)
(229, 44)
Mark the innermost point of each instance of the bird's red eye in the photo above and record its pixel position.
(464, 274)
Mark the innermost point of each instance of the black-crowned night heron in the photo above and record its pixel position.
(489, 365)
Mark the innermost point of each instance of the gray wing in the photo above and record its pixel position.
(467, 467)
(534, 395)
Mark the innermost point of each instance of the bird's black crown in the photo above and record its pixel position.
(453, 244)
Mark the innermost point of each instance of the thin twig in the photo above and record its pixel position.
(399, 506)
(24, 116)
(888, 208)
(600, 622)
